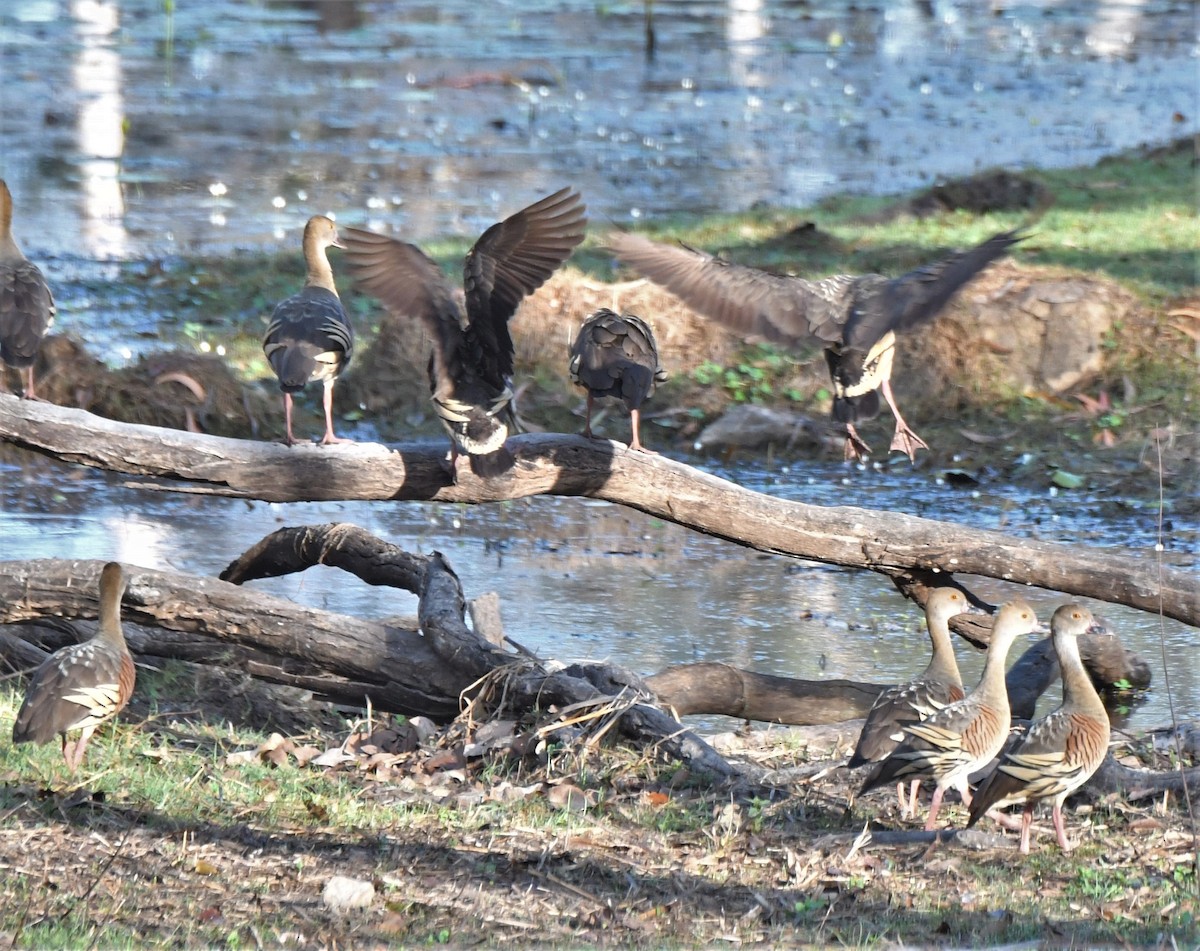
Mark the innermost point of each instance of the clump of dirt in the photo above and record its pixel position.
(985, 193)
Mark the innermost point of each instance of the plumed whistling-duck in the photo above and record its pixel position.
(855, 317)
(472, 361)
(81, 686)
(616, 355)
(1061, 751)
(965, 736)
(26, 304)
(938, 686)
(310, 337)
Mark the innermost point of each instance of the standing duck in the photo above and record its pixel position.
(856, 318)
(26, 304)
(471, 366)
(81, 686)
(310, 337)
(938, 686)
(616, 355)
(962, 738)
(1063, 749)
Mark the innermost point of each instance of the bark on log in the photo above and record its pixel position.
(573, 466)
(401, 670)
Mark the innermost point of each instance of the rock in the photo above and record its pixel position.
(753, 427)
(343, 895)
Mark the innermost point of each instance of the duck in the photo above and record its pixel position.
(82, 686)
(616, 355)
(26, 305)
(471, 365)
(935, 688)
(1061, 751)
(963, 737)
(855, 317)
(310, 338)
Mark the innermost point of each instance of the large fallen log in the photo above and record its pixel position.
(573, 466)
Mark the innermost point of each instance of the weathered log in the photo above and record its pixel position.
(571, 465)
(713, 688)
(400, 670)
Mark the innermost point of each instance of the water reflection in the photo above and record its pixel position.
(96, 75)
(433, 116)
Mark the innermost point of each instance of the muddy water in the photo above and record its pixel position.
(582, 579)
(141, 129)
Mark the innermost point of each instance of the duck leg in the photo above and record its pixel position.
(30, 393)
(327, 403)
(635, 421)
(587, 426)
(1060, 829)
(855, 447)
(905, 440)
(934, 805)
(287, 416)
(1026, 826)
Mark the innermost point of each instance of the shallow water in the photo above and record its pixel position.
(581, 579)
(130, 132)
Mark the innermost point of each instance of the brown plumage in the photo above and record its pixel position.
(26, 304)
(962, 738)
(616, 355)
(938, 686)
(1061, 751)
(81, 686)
(855, 317)
(310, 337)
(471, 365)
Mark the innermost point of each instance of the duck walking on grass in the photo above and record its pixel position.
(938, 686)
(82, 686)
(962, 738)
(855, 317)
(616, 355)
(1063, 749)
(471, 365)
(26, 304)
(310, 337)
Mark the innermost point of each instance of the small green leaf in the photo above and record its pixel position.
(1066, 480)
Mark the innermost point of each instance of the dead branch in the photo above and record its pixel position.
(573, 466)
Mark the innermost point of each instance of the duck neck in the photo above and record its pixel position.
(942, 665)
(320, 273)
(8, 247)
(1078, 690)
(991, 683)
(109, 630)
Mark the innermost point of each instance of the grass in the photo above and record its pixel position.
(163, 840)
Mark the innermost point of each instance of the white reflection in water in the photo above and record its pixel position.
(96, 76)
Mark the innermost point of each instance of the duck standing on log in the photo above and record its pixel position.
(855, 317)
(938, 686)
(26, 304)
(310, 337)
(81, 686)
(964, 737)
(616, 355)
(471, 365)
(1061, 751)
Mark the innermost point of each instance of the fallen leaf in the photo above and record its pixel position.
(1066, 480)
(657, 798)
(343, 894)
(568, 796)
(204, 867)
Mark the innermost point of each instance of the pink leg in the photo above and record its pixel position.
(931, 822)
(902, 799)
(635, 421)
(327, 403)
(855, 447)
(905, 440)
(912, 798)
(1026, 825)
(587, 426)
(30, 392)
(287, 417)
(1060, 829)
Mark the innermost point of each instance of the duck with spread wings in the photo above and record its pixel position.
(471, 365)
(855, 317)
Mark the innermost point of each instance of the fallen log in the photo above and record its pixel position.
(886, 542)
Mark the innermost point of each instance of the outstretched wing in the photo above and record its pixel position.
(882, 305)
(510, 260)
(410, 285)
(749, 300)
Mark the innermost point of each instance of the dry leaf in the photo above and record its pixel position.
(204, 867)
(568, 796)
(657, 798)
